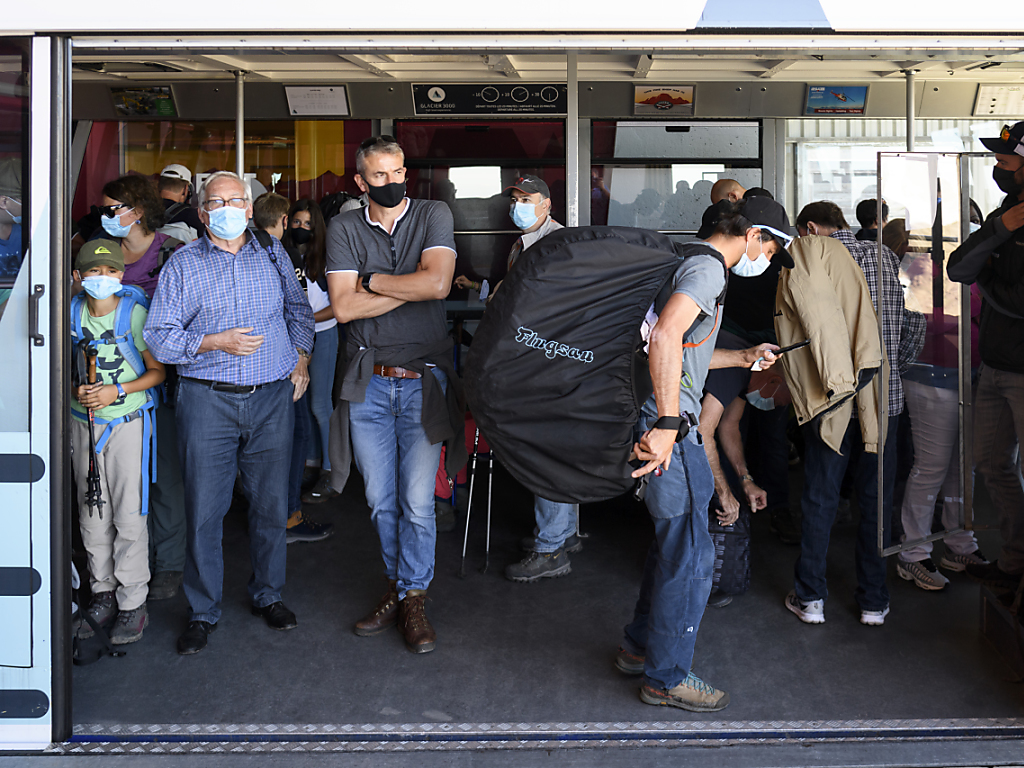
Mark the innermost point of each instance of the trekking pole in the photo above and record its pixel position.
(93, 496)
(490, 485)
(469, 504)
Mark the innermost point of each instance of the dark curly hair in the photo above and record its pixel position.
(138, 192)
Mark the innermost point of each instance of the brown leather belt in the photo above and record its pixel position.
(394, 372)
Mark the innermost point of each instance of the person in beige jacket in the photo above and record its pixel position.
(826, 299)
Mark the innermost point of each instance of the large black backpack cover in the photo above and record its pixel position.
(553, 377)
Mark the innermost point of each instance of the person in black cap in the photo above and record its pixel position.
(681, 330)
(993, 258)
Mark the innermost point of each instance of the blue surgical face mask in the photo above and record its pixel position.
(113, 227)
(17, 219)
(101, 286)
(973, 227)
(747, 268)
(227, 223)
(524, 215)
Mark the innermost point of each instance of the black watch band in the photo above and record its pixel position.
(366, 282)
(673, 422)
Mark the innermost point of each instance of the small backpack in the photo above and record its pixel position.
(130, 295)
(732, 550)
(557, 372)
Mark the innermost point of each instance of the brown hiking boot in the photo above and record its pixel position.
(414, 624)
(383, 616)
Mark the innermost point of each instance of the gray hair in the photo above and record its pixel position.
(217, 176)
(378, 145)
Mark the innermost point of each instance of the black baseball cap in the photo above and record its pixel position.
(529, 185)
(1010, 140)
(770, 217)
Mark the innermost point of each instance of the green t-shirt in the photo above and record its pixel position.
(111, 367)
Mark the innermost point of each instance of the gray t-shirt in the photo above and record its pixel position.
(701, 277)
(356, 244)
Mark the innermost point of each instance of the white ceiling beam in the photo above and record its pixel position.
(503, 64)
(362, 63)
(777, 66)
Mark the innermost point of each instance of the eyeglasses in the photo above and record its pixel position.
(374, 141)
(215, 202)
(111, 210)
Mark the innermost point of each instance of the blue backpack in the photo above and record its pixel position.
(130, 295)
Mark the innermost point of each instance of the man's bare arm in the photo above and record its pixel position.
(666, 364)
(433, 279)
(743, 358)
(350, 302)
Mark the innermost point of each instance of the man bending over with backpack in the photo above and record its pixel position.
(678, 572)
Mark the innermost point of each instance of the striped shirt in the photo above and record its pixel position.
(865, 253)
(204, 289)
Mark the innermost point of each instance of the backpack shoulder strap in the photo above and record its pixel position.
(131, 296)
(77, 306)
(174, 210)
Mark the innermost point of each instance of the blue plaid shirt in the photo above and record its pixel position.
(204, 289)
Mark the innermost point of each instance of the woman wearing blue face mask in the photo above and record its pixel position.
(130, 213)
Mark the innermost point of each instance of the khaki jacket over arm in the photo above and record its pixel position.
(825, 299)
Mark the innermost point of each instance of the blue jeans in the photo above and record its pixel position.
(556, 522)
(219, 435)
(398, 465)
(319, 398)
(823, 475)
(677, 574)
(300, 443)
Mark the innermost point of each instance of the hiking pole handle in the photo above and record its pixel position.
(90, 356)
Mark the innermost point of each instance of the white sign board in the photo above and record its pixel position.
(999, 101)
(317, 101)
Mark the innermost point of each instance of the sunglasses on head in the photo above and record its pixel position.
(375, 140)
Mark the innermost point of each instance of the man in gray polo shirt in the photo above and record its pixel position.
(389, 268)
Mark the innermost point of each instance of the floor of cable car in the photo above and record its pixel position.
(542, 652)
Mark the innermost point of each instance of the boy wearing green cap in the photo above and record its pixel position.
(114, 533)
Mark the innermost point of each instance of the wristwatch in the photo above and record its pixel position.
(746, 477)
(302, 352)
(366, 282)
(121, 394)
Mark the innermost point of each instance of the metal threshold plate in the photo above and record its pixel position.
(246, 738)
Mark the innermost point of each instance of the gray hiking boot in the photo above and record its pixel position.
(129, 626)
(164, 585)
(539, 565)
(102, 609)
(572, 545)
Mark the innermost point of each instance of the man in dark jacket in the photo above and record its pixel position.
(993, 257)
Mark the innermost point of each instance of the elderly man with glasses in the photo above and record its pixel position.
(230, 313)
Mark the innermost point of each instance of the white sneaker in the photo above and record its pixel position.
(951, 561)
(923, 573)
(809, 613)
(874, 618)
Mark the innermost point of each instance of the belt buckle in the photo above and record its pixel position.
(252, 388)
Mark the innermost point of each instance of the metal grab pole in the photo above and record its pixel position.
(911, 127)
(572, 141)
(240, 123)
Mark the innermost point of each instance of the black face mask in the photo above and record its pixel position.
(300, 236)
(1005, 180)
(387, 195)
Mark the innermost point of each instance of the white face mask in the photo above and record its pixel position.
(974, 227)
(751, 268)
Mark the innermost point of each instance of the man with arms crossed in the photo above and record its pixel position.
(389, 268)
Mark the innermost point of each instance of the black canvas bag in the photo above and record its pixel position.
(732, 550)
(556, 375)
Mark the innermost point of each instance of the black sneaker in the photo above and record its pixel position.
(539, 565)
(307, 530)
(322, 491)
(991, 575)
(718, 599)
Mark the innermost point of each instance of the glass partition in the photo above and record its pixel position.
(928, 220)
